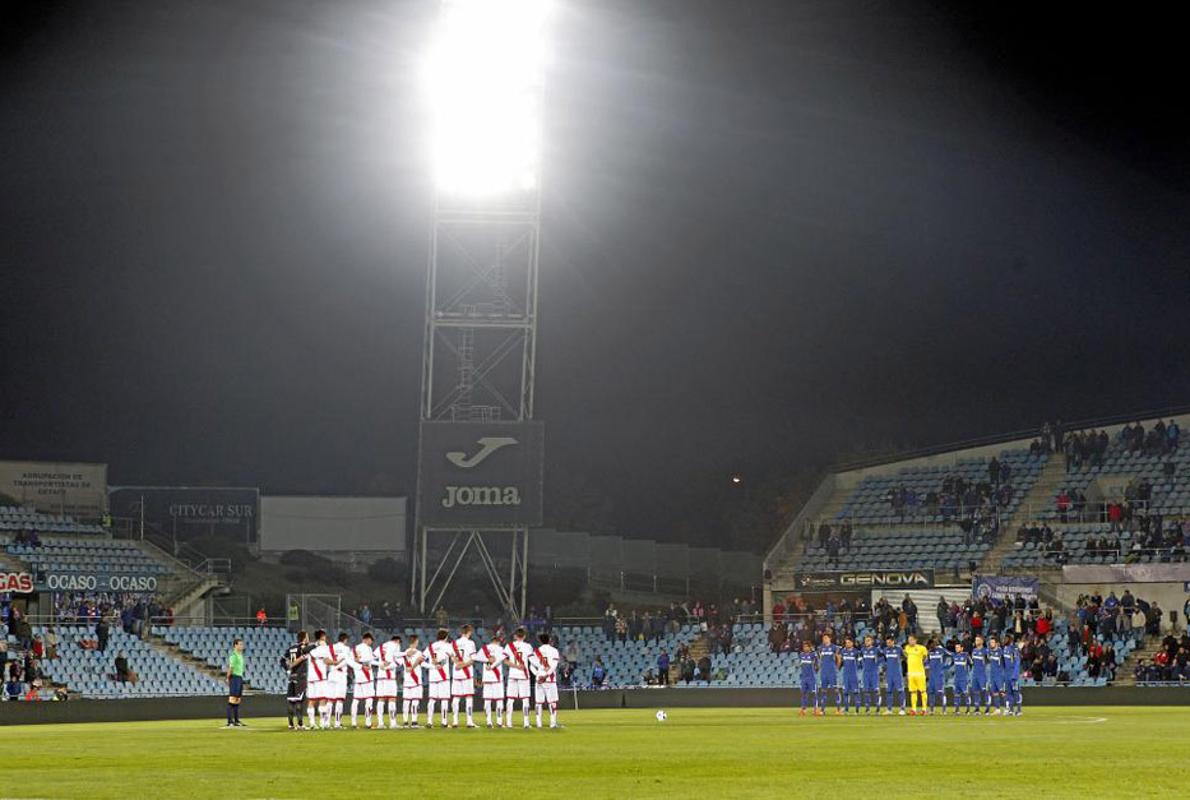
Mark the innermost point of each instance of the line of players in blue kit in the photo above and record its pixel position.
(988, 675)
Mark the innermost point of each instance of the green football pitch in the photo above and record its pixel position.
(697, 753)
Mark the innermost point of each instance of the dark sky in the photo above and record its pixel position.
(775, 232)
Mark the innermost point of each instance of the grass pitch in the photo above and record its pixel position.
(697, 753)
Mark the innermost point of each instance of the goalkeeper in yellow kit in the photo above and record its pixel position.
(915, 662)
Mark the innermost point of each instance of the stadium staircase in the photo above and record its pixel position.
(158, 643)
(699, 647)
(1053, 474)
(1147, 648)
(194, 577)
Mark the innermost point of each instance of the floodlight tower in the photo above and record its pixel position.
(486, 83)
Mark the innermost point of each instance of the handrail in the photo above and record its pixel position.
(1003, 438)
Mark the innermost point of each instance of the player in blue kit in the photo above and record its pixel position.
(828, 673)
(894, 680)
(807, 661)
(1012, 676)
(870, 674)
(995, 677)
(979, 673)
(936, 675)
(850, 656)
(962, 677)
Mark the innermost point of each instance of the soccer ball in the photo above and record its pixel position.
(662, 716)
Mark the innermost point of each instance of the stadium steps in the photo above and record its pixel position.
(1145, 649)
(1052, 475)
(187, 585)
(159, 644)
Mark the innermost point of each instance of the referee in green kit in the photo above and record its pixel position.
(235, 683)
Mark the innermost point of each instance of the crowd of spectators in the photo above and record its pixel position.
(1170, 663)
(956, 497)
(1162, 439)
(1088, 447)
(21, 676)
(132, 611)
(714, 624)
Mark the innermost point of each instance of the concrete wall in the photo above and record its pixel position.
(260, 706)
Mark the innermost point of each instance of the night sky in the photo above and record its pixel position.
(775, 234)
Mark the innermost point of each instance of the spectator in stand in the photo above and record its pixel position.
(598, 673)
(726, 639)
(1063, 504)
(124, 673)
(704, 669)
(572, 656)
(776, 637)
(609, 623)
(942, 612)
(101, 635)
(663, 668)
(910, 609)
(262, 618)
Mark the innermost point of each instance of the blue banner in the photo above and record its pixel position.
(1005, 587)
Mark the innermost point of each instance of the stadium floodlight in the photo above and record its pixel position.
(485, 78)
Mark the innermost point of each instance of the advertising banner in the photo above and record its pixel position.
(76, 490)
(847, 580)
(1005, 587)
(56, 581)
(16, 582)
(185, 511)
(481, 475)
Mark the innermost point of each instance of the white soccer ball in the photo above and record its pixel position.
(662, 716)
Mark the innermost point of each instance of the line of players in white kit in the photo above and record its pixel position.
(394, 676)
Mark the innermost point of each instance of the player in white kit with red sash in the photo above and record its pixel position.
(438, 656)
(544, 665)
(363, 671)
(462, 684)
(492, 657)
(411, 682)
(386, 680)
(336, 682)
(317, 669)
(517, 655)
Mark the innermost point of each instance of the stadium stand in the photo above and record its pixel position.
(78, 555)
(928, 493)
(263, 647)
(14, 518)
(1142, 479)
(873, 548)
(84, 669)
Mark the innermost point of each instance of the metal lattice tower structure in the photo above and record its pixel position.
(480, 347)
(479, 365)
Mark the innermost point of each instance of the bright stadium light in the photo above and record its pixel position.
(485, 76)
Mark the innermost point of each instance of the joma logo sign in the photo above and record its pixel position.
(487, 446)
(884, 579)
(481, 496)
